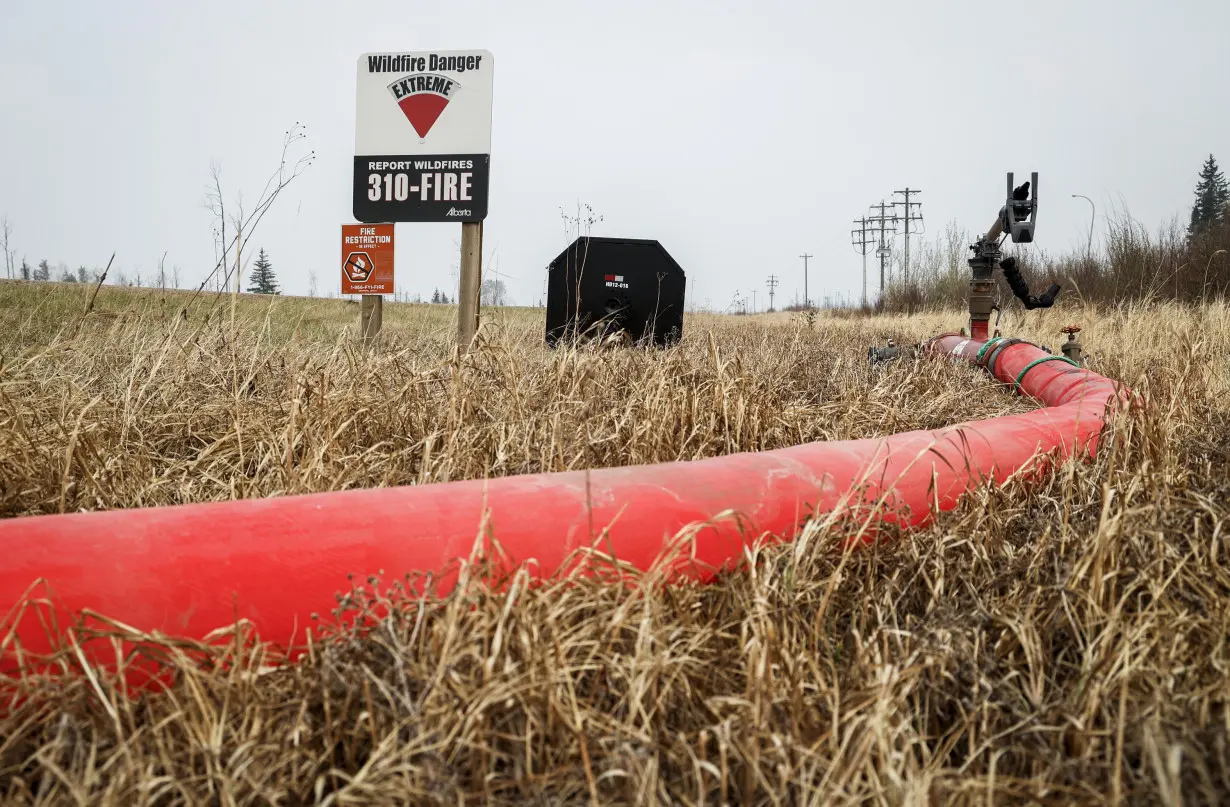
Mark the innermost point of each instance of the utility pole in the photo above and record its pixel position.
(806, 299)
(753, 301)
(907, 217)
(772, 283)
(860, 243)
(882, 250)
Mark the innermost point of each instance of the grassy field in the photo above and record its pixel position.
(1059, 644)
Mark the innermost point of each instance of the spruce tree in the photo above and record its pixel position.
(43, 272)
(1212, 198)
(263, 280)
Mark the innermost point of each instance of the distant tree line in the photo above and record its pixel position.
(263, 278)
(44, 272)
(61, 273)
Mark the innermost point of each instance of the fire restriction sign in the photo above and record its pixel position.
(367, 258)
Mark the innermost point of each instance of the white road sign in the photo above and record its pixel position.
(423, 136)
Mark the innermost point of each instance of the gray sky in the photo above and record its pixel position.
(739, 134)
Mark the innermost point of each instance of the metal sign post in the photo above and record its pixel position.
(423, 150)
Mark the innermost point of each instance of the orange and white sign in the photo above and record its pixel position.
(367, 258)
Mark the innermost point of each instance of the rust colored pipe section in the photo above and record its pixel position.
(189, 570)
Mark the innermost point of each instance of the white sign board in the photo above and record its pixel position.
(423, 136)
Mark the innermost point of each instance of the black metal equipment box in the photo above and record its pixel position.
(601, 285)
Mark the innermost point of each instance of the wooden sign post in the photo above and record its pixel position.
(367, 269)
(371, 317)
(471, 283)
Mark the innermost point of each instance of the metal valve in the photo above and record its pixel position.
(1072, 349)
(890, 352)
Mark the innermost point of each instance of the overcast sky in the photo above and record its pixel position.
(739, 134)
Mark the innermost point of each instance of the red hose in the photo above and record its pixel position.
(191, 569)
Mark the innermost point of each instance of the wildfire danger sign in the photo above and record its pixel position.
(423, 136)
(367, 259)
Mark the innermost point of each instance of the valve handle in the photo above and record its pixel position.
(1070, 329)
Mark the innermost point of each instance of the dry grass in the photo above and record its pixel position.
(163, 411)
(1063, 644)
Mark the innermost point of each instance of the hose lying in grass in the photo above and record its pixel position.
(189, 570)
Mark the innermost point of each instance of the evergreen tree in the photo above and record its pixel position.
(43, 272)
(83, 274)
(25, 270)
(263, 280)
(1212, 198)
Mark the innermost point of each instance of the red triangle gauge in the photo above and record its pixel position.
(422, 97)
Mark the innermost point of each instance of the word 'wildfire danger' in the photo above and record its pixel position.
(442, 187)
(407, 63)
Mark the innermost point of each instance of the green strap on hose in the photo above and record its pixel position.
(987, 346)
(1028, 367)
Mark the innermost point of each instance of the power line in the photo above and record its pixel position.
(772, 283)
(806, 299)
(860, 246)
(907, 217)
(882, 251)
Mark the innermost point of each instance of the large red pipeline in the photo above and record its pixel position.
(189, 570)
